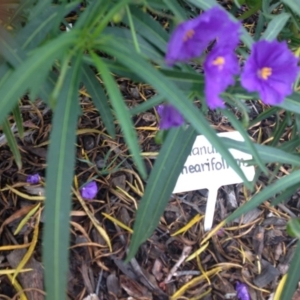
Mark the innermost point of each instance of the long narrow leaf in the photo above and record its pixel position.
(39, 63)
(10, 49)
(291, 103)
(19, 120)
(149, 104)
(124, 37)
(59, 176)
(12, 143)
(122, 113)
(161, 183)
(149, 29)
(275, 27)
(293, 275)
(293, 4)
(267, 154)
(100, 100)
(266, 194)
(253, 151)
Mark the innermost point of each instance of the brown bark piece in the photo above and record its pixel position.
(32, 279)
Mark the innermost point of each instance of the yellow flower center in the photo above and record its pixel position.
(188, 35)
(219, 61)
(265, 73)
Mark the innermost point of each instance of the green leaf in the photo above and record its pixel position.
(161, 183)
(291, 103)
(204, 4)
(149, 104)
(265, 194)
(251, 11)
(275, 26)
(293, 4)
(19, 120)
(38, 63)
(266, 153)
(252, 3)
(12, 143)
(293, 228)
(259, 27)
(122, 112)
(280, 128)
(96, 91)
(37, 29)
(253, 151)
(124, 37)
(176, 9)
(264, 115)
(285, 195)
(59, 177)
(293, 275)
(9, 49)
(176, 97)
(290, 146)
(185, 80)
(149, 29)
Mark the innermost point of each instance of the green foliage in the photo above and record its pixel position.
(161, 184)
(38, 59)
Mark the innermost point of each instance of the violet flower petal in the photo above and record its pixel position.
(169, 116)
(220, 66)
(89, 191)
(192, 37)
(270, 70)
(242, 291)
(33, 179)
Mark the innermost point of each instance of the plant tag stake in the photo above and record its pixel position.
(205, 168)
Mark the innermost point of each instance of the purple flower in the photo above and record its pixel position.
(89, 191)
(242, 291)
(169, 116)
(220, 66)
(33, 179)
(270, 70)
(192, 37)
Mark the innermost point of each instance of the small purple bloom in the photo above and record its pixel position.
(169, 116)
(270, 70)
(242, 291)
(33, 179)
(89, 191)
(192, 37)
(220, 66)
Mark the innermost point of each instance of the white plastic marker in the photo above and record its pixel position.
(205, 168)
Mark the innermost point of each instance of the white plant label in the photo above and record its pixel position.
(205, 168)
